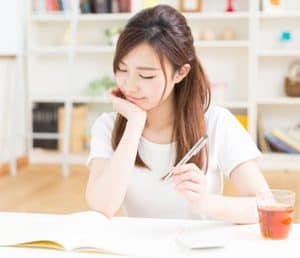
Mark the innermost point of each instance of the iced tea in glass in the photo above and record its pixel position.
(276, 211)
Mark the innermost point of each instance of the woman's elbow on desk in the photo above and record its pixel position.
(106, 209)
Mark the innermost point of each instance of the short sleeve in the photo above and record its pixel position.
(235, 145)
(101, 134)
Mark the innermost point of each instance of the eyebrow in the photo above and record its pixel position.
(143, 67)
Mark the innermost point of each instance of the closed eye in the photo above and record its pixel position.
(122, 70)
(146, 77)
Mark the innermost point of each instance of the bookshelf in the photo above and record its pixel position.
(68, 50)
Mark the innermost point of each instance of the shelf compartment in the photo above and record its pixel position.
(277, 161)
(279, 101)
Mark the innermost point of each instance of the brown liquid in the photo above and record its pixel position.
(275, 221)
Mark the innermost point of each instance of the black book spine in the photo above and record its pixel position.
(102, 6)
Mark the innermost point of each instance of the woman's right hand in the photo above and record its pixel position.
(130, 111)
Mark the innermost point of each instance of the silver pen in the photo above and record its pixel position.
(192, 152)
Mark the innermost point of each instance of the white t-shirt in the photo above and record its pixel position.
(229, 145)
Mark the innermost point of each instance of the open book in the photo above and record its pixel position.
(92, 231)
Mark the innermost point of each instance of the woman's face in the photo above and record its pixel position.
(141, 79)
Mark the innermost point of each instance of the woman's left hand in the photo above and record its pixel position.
(190, 181)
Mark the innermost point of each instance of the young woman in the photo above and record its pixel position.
(162, 106)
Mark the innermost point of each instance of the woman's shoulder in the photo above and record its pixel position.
(215, 113)
(219, 119)
(106, 119)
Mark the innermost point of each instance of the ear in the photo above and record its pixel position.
(181, 73)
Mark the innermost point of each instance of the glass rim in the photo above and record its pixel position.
(283, 192)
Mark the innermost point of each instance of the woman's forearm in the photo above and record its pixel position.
(108, 190)
(238, 210)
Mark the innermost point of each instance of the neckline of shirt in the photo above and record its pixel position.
(165, 146)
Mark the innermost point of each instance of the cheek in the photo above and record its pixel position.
(159, 91)
(156, 89)
(120, 78)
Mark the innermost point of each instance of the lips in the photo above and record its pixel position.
(132, 98)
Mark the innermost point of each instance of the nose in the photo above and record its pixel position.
(131, 84)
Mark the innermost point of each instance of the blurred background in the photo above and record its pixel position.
(56, 66)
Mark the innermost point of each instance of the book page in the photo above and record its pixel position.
(144, 237)
(23, 228)
(48, 230)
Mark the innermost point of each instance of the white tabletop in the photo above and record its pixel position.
(248, 244)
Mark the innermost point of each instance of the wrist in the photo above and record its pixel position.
(202, 207)
(135, 125)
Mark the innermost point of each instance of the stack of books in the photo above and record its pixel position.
(45, 121)
(286, 140)
(50, 6)
(105, 6)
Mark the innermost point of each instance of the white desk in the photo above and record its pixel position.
(249, 244)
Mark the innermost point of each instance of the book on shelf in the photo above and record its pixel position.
(45, 121)
(43, 6)
(284, 136)
(91, 231)
(279, 146)
(243, 119)
(105, 6)
(263, 145)
(78, 128)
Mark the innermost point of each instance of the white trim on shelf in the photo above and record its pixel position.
(216, 15)
(50, 50)
(38, 156)
(269, 161)
(279, 53)
(280, 15)
(46, 99)
(87, 99)
(40, 136)
(222, 44)
(60, 16)
(52, 17)
(279, 101)
(193, 15)
(233, 104)
(63, 50)
(95, 49)
(86, 49)
(277, 161)
(104, 17)
(73, 99)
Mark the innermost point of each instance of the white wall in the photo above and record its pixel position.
(11, 131)
(12, 127)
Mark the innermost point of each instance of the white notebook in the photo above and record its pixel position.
(92, 231)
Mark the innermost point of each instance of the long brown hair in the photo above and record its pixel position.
(167, 32)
